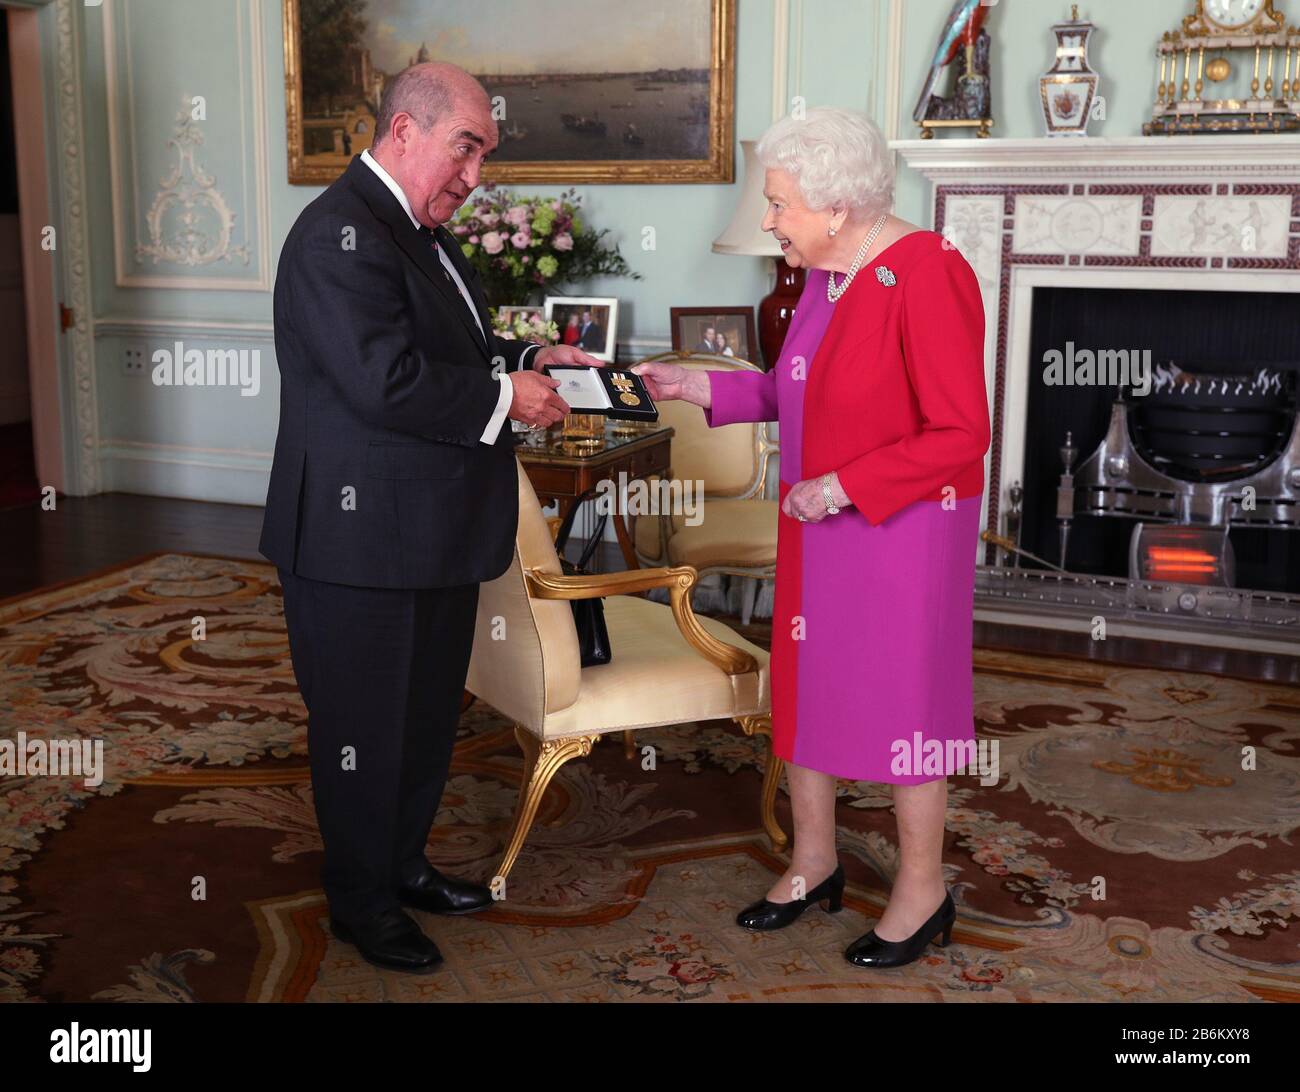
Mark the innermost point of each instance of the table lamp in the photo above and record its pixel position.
(745, 235)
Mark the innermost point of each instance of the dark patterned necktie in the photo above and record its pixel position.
(437, 256)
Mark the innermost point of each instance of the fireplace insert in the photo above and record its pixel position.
(1219, 415)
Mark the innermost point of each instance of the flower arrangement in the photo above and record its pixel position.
(523, 324)
(521, 246)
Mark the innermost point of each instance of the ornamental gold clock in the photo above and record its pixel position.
(1237, 46)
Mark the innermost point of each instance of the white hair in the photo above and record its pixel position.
(838, 157)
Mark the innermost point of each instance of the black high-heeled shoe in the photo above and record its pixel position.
(871, 951)
(764, 914)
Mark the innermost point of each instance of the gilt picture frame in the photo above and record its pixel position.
(651, 99)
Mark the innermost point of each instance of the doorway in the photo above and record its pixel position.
(18, 485)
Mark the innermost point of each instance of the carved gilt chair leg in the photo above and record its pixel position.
(542, 758)
(762, 726)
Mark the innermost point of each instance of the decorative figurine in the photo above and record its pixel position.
(970, 104)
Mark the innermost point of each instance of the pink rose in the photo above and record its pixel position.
(490, 219)
(460, 229)
(473, 240)
(517, 215)
(563, 241)
(521, 239)
(525, 259)
(493, 242)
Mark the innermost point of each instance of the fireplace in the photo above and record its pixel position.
(1223, 370)
(1184, 247)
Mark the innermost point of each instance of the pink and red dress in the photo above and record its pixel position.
(871, 634)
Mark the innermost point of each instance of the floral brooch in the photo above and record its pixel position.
(885, 276)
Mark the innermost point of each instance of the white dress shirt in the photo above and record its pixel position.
(506, 397)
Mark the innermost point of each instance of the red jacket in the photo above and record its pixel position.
(896, 389)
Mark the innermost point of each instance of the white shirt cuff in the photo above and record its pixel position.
(504, 398)
(524, 362)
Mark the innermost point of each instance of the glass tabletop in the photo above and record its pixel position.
(551, 445)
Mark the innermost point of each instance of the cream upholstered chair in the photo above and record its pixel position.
(668, 666)
(737, 534)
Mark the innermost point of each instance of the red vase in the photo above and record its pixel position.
(776, 311)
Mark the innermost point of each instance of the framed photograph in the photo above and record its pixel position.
(589, 322)
(588, 91)
(725, 331)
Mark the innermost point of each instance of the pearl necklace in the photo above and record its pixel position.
(832, 292)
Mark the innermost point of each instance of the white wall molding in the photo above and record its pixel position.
(82, 431)
(130, 326)
(127, 238)
(226, 476)
(795, 79)
(894, 70)
(780, 58)
(232, 458)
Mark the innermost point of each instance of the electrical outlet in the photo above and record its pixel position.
(133, 360)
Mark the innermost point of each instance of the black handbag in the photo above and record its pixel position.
(588, 614)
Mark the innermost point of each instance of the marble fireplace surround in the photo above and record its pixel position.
(1203, 213)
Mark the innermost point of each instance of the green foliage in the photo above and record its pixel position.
(525, 246)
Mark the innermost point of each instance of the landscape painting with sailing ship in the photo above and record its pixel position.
(591, 90)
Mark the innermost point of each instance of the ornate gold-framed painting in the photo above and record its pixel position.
(583, 90)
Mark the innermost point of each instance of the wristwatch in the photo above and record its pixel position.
(826, 495)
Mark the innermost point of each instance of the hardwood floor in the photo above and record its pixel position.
(86, 534)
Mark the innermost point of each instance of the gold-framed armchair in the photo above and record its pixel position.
(669, 665)
(736, 533)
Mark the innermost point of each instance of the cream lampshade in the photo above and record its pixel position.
(745, 235)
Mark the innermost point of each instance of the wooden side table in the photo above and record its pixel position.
(562, 471)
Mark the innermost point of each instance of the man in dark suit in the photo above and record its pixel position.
(393, 493)
(591, 334)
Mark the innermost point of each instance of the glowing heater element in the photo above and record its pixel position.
(1181, 555)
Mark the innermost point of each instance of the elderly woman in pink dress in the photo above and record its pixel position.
(880, 395)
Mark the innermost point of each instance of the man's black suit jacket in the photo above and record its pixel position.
(385, 387)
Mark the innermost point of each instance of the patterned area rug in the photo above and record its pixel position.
(1125, 854)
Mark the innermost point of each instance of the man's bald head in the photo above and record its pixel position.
(426, 92)
(434, 130)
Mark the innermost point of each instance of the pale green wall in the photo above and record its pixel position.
(839, 53)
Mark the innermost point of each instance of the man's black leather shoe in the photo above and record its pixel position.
(435, 893)
(391, 940)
